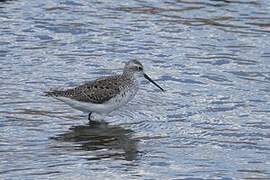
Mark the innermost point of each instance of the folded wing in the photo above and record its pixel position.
(98, 91)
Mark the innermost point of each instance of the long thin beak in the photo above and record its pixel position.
(149, 79)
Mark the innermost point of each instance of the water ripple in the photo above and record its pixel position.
(212, 57)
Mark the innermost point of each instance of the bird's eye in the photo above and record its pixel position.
(140, 68)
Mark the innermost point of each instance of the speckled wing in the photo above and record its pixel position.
(98, 91)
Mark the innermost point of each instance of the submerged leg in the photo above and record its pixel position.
(89, 116)
(96, 120)
(91, 122)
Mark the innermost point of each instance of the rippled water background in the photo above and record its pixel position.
(212, 57)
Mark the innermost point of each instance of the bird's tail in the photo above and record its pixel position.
(53, 93)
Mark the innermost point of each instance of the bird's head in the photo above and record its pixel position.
(135, 68)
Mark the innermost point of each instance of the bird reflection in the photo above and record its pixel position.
(104, 140)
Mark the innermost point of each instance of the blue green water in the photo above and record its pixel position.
(212, 57)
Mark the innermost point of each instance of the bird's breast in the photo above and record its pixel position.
(126, 94)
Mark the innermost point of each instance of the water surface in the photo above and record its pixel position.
(211, 56)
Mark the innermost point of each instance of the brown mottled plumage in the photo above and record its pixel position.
(98, 91)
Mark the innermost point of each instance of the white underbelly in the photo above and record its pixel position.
(123, 98)
(105, 108)
(85, 106)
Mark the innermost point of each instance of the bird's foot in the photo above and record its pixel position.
(89, 116)
(95, 119)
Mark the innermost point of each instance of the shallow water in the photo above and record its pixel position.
(211, 56)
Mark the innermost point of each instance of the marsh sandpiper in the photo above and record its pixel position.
(104, 94)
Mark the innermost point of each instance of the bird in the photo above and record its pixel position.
(105, 94)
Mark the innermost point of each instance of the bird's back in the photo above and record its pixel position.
(98, 91)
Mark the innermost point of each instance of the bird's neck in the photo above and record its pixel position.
(128, 74)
